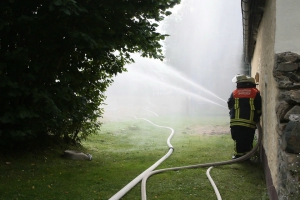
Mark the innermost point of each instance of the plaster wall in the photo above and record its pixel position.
(263, 62)
(287, 28)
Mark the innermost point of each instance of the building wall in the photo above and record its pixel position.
(287, 28)
(263, 62)
(276, 59)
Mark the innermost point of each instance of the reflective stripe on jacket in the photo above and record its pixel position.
(245, 107)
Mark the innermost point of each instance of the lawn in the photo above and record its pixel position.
(124, 148)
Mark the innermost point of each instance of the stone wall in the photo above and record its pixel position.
(287, 76)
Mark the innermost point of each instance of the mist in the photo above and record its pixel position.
(202, 55)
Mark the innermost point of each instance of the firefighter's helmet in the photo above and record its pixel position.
(240, 78)
(251, 80)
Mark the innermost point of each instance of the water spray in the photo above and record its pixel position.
(181, 90)
(178, 75)
(151, 112)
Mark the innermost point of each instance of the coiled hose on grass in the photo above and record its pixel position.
(135, 181)
(245, 157)
(149, 172)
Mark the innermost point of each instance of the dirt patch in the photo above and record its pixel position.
(207, 130)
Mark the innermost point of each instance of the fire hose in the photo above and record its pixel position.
(213, 184)
(135, 181)
(149, 172)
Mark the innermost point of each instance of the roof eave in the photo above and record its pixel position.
(252, 12)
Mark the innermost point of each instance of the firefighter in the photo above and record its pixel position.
(245, 111)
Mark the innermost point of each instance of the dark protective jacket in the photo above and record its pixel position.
(245, 107)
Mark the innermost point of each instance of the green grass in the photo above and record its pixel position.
(123, 149)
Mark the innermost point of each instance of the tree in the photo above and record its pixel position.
(57, 58)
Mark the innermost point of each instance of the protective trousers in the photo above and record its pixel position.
(243, 137)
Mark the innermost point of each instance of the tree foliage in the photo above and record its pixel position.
(57, 58)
